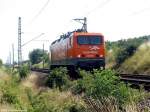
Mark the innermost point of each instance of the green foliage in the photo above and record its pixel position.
(102, 90)
(40, 65)
(123, 49)
(123, 43)
(37, 103)
(139, 62)
(53, 101)
(46, 57)
(58, 78)
(23, 71)
(123, 53)
(100, 84)
(10, 92)
(1, 63)
(13, 93)
(37, 55)
(8, 70)
(9, 95)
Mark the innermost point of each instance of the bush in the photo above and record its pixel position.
(1, 63)
(100, 84)
(54, 101)
(139, 62)
(8, 70)
(124, 53)
(16, 96)
(58, 78)
(119, 51)
(23, 71)
(9, 96)
(10, 92)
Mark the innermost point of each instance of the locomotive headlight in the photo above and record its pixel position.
(79, 56)
(101, 55)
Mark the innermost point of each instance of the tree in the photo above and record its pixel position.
(125, 48)
(1, 62)
(37, 55)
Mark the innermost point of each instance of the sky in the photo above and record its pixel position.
(115, 19)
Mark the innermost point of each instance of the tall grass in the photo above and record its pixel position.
(104, 92)
(110, 105)
(17, 96)
(139, 62)
(97, 91)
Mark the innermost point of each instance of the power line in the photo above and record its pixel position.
(98, 7)
(140, 11)
(42, 40)
(41, 10)
(32, 39)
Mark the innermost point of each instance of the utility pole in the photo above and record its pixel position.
(43, 55)
(13, 56)
(84, 23)
(19, 43)
(10, 58)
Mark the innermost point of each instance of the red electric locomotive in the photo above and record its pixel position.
(78, 49)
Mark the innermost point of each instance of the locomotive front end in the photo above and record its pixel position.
(89, 50)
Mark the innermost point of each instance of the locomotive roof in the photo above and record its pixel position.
(77, 32)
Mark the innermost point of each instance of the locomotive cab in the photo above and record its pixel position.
(89, 50)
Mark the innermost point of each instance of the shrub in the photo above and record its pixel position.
(15, 95)
(123, 49)
(23, 71)
(10, 92)
(58, 78)
(9, 96)
(124, 53)
(8, 70)
(138, 63)
(54, 101)
(100, 84)
(1, 63)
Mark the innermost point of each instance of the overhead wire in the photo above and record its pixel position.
(88, 13)
(101, 5)
(32, 39)
(40, 11)
(140, 11)
(34, 18)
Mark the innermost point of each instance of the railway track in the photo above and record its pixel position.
(45, 70)
(135, 80)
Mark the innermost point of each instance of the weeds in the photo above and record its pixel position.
(54, 101)
(23, 71)
(103, 84)
(58, 78)
(139, 62)
(100, 91)
(20, 97)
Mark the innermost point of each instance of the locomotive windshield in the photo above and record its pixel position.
(92, 40)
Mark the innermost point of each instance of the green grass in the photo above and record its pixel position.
(96, 90)
(40, 65)
(14, 94)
